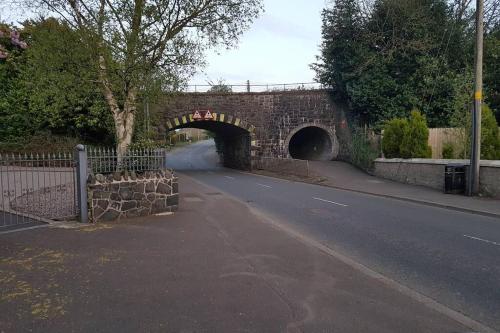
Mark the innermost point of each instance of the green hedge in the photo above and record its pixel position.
(407, 138)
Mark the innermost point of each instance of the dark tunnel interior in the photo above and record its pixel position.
(311, 143)
(233, 143)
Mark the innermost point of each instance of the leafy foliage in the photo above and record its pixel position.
(219, 87)
(448, 151)
(13, 116)
(415, 138)
(407, 138)
(362, 150)
(62, 80)
(492, 71)
(51, 86)
(342, 48)
(398, 56)
(394, 131)
(490, 145)
(490, 141)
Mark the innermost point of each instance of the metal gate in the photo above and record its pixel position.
(35, 188)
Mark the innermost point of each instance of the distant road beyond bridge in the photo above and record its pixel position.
(303, 124)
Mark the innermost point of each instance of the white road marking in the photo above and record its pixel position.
(482, 240)
(332, 202)
(228, 177)
(267, 186)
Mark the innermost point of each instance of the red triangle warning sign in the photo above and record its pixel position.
(208, 115)
(197, 115)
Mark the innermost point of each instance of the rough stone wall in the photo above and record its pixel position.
(130, 195)
(489, 180)
(430, 173)
(273, 114)
(426, 174)
(236, 152)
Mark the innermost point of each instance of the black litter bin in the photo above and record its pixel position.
(454, 179)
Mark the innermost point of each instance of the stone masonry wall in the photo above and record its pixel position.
(430, 173)
(124, 195)
(273, 115)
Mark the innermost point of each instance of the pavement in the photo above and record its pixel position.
(215, 266)
(344, 176)
(448, 255)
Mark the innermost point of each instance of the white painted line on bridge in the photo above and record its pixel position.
(332, 202)
(482, 240)
(266, 186)
(228, 177)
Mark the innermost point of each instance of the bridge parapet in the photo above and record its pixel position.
(266, 87)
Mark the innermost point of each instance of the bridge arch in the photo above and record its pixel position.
(234, 137)
(187, 119)
(312, 141)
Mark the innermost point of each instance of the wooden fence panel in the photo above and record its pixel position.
(439, 136)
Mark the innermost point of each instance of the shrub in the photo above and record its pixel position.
(147, 144)
(448, 151)
(362, 153)
(393, 136)
(45, 142)
(490, 142)
(416, 137)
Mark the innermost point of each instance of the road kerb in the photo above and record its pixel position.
(388, 196)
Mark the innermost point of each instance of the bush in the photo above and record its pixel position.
(147, 144)
(393, 136)
(416, 137)
(362, 153)
(448, 151)
(41, 142)
(490, 142)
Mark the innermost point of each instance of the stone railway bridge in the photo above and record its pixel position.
(303, 124)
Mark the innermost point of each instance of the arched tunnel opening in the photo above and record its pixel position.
(311, 143)
(232, 143)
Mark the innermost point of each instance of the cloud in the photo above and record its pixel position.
(278, 48)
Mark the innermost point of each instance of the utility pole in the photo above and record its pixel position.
(473, 188)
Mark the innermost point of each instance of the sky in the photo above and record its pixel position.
(278, 48)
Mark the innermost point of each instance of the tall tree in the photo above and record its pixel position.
(61, 80)
(13, 109)
(401, 54)
(50, 86)
(135, 40)
(342, 47)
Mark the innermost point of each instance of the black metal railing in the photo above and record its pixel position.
(247, 87)
(107, 160)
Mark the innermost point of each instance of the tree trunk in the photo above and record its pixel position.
(123, 119)
(124, 124)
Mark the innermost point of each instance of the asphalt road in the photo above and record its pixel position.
(450, 256)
